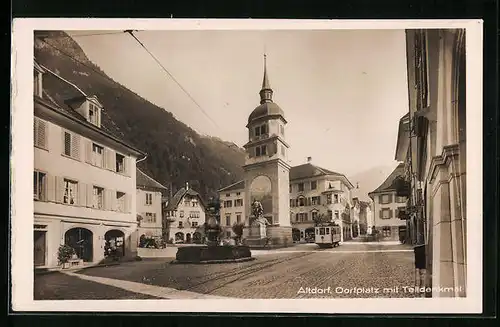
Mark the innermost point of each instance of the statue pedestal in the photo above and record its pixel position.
(268, 237)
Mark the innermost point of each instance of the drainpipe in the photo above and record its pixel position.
(145, 157)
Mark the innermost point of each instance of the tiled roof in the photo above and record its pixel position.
(309, 170)
(61, 92)
(387, 185)
(179, 195)
(142, 179)
(235, 186)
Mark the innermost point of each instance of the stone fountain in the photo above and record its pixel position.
(212, 251)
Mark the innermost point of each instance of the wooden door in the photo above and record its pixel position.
(40, 244)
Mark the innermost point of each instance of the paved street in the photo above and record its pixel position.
(303, 271)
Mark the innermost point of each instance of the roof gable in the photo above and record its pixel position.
(179, 196)
(387, 185)
(144, 180)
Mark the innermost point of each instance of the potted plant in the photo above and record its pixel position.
(64, 254)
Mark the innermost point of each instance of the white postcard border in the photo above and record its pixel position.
(22, 162)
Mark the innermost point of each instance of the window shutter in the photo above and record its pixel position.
(126, 165)
(390, 213)
(127, 203)
(297, 217)
(90, 195)
(82, 194)
(107, 199)
(112, 198)
(75, 146)
(50, 188)
(319, 200)
(35, 131)
(105, 154)
(88, 150)
(112, 160)
(381, 199)
(59, 189)
(390, 198)
(381, 214)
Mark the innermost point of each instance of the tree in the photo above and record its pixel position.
(238, 230)
(321, 219)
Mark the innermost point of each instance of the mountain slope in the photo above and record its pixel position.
(176, 153)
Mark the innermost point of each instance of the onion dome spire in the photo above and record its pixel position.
(266, 93)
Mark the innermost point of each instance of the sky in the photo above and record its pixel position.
(342, 91)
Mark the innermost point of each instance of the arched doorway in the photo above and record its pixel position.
(188, 238)
(296, 234)
(309, 234)
(197, 237)
(179, 237)
(115, 239)
(80, 239)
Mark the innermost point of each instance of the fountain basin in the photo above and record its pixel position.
(213, 254)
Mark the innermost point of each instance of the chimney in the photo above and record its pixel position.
(187, 186)
(309, 159)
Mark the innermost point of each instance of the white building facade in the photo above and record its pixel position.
(387, 206)
(186, 214)
(149, 206)
(84, 177)
(232, 207)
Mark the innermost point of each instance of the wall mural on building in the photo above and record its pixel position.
(260, 190)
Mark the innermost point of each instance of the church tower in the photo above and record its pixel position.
(266, 168)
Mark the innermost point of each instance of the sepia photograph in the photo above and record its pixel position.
(253, 163)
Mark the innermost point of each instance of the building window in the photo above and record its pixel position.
(400, 209)
(120, 201)
(301, 217)
(194, 224)
(150, 218)
(97, 155)
(71, 145)
(292, 203)
(386, 213)
(94, 114)
(39, 186)
(330, 214)
(149, 199)
(328, 199)
(228, 220)
(314, 215)
(194, 214)
(181, 213)
(228, 194)
(261, 150)
(238, 202)
(335, 198)
(228, 204)
(70, 191)
(301, 187)
(238, 218)
(261, 130)
(302, 202)
(40, 129)
(290, 188)
(120, 163)
(386, 231)
(316, 200)
(314, 185)
(238, 193)
(97, 197)
(385, 199)
(400, 199)
(337, 214)
(194, 203)
(180, 224)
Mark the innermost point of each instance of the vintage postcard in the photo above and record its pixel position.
(247, 166)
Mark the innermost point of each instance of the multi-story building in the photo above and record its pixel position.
(149, 205)
(232, 206)
(316, 191)
(185, 213)
(361, 214)
(432, 143)
(366, 215)
(84, 177)
(387, 206)
(313, 191)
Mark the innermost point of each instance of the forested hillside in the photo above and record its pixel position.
(176, 153)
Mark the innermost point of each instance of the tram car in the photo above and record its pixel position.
(327, 235)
